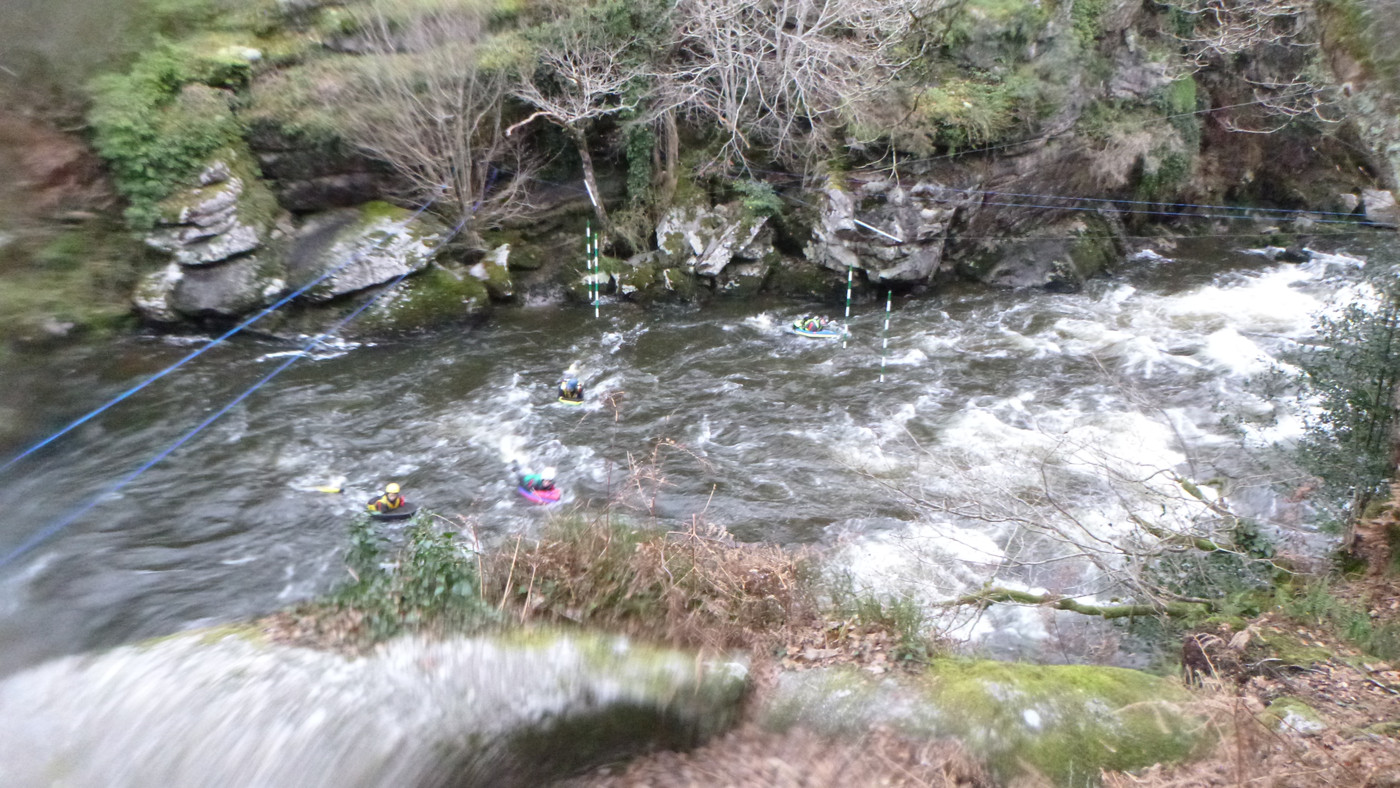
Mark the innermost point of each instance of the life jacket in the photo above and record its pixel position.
(536, 482)
(387, 502)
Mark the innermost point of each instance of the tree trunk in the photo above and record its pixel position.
(590, 180)
(664, 159)
(1006, 595)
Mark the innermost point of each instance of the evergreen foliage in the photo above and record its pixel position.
(158, 123)
(1353, 370)
(430, 581)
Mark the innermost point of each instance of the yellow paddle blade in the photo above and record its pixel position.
(326, 488)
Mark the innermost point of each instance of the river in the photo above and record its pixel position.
(713, 413)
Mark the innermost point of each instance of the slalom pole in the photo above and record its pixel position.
(597, 271)
(885, 334)
(588, 258)
(850, 275)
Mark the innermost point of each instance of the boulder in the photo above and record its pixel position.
(708, 238)
(357, 248)
(227, 213)
(892, 232)
(229, 289)
(1380, 207)
(1061, 260)
(494, 271)
(152, 295)
(440, 296)
(743, 279)
(1044, 723)
(226, 708)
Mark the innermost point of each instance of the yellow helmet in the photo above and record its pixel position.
(391, 488)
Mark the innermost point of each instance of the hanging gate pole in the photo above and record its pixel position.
(885, 334)
(850, 274)
(597, 272)
(588, 259)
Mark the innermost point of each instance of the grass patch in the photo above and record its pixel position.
(1317, 604)
(78, 278)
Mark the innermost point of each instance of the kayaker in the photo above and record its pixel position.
(538, 482)
(570, 388)
(815, 324)
(389, 501)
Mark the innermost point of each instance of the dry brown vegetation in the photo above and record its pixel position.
(750, 756)
(697, 588)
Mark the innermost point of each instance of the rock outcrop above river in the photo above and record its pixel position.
(708, 239)
(357, 248)
(226, 709)
(892, 231)
(1021, 122)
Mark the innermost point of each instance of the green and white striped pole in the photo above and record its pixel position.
(597, 272)
(588, 258)
(850, 276)
(885, 334)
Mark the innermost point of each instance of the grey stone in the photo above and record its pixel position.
(894, 233)
(708, 238)
(229, 289)
(1380, 207)
(356, 248)
(152, 296)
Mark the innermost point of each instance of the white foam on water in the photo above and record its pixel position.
(763, 322)
(908, 358)
(1231, 352)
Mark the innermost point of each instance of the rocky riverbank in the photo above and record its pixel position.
(1030, 143)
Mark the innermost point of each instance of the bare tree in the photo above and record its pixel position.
(784, 73)
(1080, 522)
(1222, 29)
(580, 79)
(435, 114)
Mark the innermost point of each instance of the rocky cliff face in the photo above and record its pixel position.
(1016, 152)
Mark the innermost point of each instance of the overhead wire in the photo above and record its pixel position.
(90, 415)
(47, 532)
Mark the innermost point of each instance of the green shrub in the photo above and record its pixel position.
(1087, 16)
(759, 198)
(157, 124)
(429, 582)
(1353, 369)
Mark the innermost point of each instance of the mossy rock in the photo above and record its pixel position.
(1291, 715)
(1062, 722)
(434, 298)
(794, 277)
(494, 272)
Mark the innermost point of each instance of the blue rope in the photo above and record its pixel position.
(48, 531)
(148, 381)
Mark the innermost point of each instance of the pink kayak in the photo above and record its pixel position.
(541, 497)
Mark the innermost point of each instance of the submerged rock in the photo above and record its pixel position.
(1061, 722)
(223, 709)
